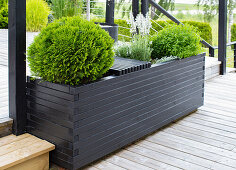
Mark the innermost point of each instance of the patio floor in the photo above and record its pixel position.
(205, 139)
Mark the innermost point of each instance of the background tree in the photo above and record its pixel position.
(166, 4)
(123, 5)
(210, 9)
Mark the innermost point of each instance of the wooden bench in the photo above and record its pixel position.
(24, 152)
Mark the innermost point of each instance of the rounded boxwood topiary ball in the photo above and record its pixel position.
(176, 40)
(71, 51)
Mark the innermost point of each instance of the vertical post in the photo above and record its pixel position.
(135, 7)
(88, 10)
(234, 55)
(17, 64)
(211, 52)
(144, 7)
(110, 8)
(222, 35)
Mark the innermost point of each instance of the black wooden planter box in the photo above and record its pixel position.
(91, 121)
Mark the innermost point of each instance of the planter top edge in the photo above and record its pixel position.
(75, 89)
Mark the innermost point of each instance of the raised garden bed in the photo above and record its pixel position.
(88, 122)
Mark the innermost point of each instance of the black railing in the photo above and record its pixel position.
(232, 44)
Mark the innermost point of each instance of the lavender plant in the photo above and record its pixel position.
(139, 48)
(141, 23)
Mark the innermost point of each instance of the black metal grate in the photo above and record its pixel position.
(123, 66)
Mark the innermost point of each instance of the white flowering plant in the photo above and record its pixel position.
(141, 23)
(140, 46)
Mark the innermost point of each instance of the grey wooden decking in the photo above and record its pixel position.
(205, 139)
(3, 76)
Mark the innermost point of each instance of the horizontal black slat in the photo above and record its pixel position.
(171, 65)
(140, 128)
(51, 105)
(51, 128)
(51, 98)
(137, 83)
(39, 87)
(55, 86)
(131, 122)
(62, 156)
(159, 80)
(53, 119)
(112, 126)
(134, 78)
(50, 111)
(152, 127)
(87, 110)
(142, 123)
(145, 98)
(41, 132)
(61, 162)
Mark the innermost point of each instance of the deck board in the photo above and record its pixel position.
(205, 139)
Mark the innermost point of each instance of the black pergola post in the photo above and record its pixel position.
(135, 7)
(17, 64)
(222, 35)
(110, 7)
(144, 7)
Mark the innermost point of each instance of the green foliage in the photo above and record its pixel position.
(164, 59)
(210, 8)
(3, 3)
(65, 8)
(203, 28)
(168, 5)
(139, 49)
(71, 51)
(123, 31)
(176, 40)
(159, 25)
(99, 11)
(49, 2)
(4, 17)
(37, 12)
(233, 32)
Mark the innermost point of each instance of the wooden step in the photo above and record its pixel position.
(5, 126)
(24, 152)
(212, 68)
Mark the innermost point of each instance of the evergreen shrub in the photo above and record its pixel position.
(233, 33)
(176, 40)
(71, 51)
(4, 17)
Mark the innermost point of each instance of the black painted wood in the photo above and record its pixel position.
(135, 8)
(110, 11)
(222, 35)
(123, 66)
(144, 7)
(90, 121)
(17, 64)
